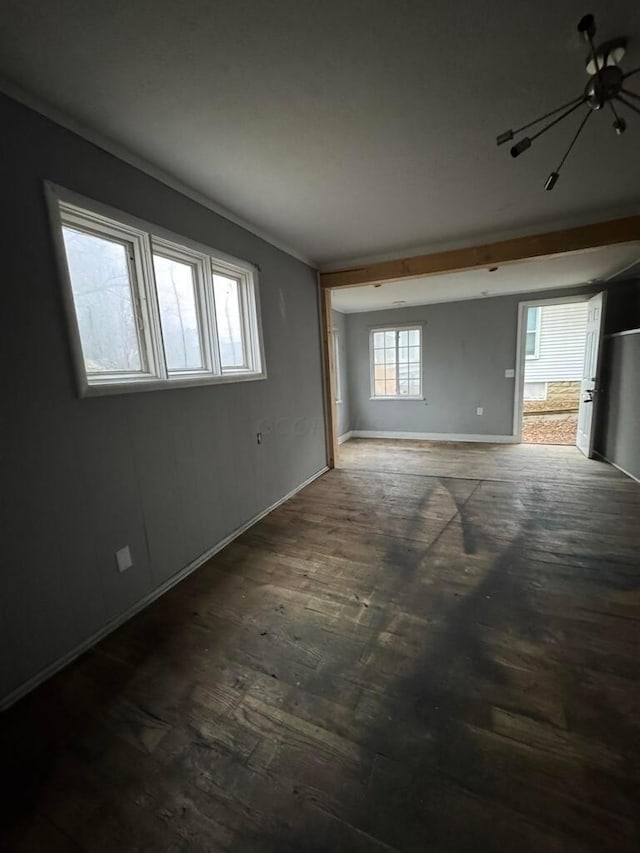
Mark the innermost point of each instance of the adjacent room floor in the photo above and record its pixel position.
(432, 648)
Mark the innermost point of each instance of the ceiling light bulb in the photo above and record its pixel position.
(507, 136)
(620, 126)
(552, 180)
(521, 146)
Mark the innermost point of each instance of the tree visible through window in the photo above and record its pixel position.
(396, 362)
(147, 309)
(101, 281)
(229, 321)
(175, 283)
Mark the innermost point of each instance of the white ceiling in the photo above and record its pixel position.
(522, 277)
(343, 128)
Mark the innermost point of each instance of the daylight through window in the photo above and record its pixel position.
(396, 362)
(533, 332)
(149, 311)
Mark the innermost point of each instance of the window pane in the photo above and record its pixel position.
(101, 285)
(531, 343)
(378, 356)
(175, 284)
(403, 354)
(228, 317)
(378, 340)
(414, 338)
(403, 339)
(414, 371)
(390, 356)
(414, 354)
(390, 339)
(391, 388)
(404, 387)
(532, 319)
(414, 387)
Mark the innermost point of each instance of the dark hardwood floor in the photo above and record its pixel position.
(432, 648)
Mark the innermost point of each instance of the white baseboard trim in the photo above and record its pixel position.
(619, 467)
(66, 659)
(345, 437)
(435, 436)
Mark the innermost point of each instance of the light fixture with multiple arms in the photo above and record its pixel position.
(606, 87)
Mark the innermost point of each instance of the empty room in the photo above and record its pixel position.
(320, 427)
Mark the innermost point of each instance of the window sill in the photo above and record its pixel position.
(400, 399)
(112, 388)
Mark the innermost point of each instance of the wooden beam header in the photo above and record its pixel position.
(609, 233)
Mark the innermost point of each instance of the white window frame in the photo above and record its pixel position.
(536, 331)
(74, 210)
(204, 305)
(248, 313)
(544, 394)
(409, 327)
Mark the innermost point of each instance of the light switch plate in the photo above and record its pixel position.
(123, 559)
(509, 373)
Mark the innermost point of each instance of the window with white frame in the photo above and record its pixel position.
(535, 391)
(336, 368)
(532, 349)
(150, 309)
(396, 363)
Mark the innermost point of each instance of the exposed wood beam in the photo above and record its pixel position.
(607, 233)
(330, 413)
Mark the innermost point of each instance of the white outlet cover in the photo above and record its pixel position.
(123, 559)
(479, 411)
(509, 373)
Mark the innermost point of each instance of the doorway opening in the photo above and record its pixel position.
(558, 375)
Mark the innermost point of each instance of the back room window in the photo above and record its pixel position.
(396, 363)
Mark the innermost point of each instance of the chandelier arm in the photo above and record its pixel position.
(574, 140)
(556, 120)
(614, 111)
(594, 56)
(628, 104)
(630, 94)
(551, 113)
(629, 73)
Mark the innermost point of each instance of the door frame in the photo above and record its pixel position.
(518, 401)
(561, 242)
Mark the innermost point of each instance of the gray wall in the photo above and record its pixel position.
(618, 436)
(467, 346)
(170, 472)
(623, 306)
(344, 406)
(620, 419)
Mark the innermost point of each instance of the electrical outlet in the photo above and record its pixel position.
(509, 373)
(123, 559)
(259, 437)
(479, 411)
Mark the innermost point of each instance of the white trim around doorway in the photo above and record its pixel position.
(518, 391)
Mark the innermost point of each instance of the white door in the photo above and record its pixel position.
(590, 385)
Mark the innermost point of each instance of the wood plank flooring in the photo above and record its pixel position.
(434, 647)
